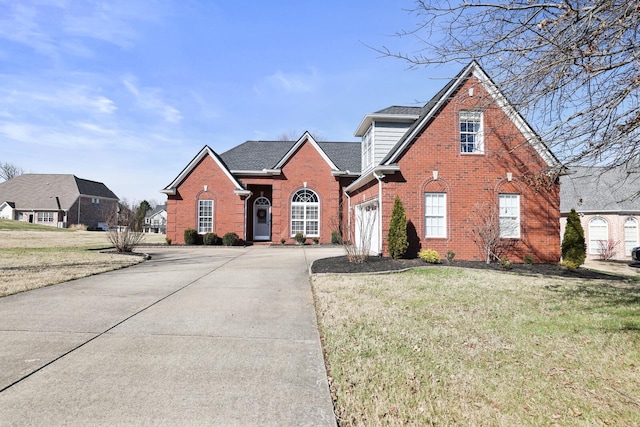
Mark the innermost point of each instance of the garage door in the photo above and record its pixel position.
(366, 227)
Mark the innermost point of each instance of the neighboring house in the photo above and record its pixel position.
(56, 200)
(608, 201)
(155, 221)
(466, 148)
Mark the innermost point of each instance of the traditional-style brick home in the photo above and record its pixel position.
(609, 207)
(58, 200)
(466, 150)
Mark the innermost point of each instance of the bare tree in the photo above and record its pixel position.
(484, 222)
(358, 250)
(572, 67)
(121, 223)
(8, 171)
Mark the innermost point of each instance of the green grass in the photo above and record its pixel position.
(461, 347)
(6, 224)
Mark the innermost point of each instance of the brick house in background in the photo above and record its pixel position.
(465, 148)
(58, 200)
(609, 207)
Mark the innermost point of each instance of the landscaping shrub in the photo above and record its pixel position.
(450, 256)
(211, 239)
(300, 239)
(429, 255)
(230, 239)
(398, 242)
(191, 236)
(316, 240)
(505, 263)
(574, 248)
(168, 240)
(336, 238)
(528, 259)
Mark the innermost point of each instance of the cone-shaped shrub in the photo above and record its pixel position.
(398, 242)
(574, 248)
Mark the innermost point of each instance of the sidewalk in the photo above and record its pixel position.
(615, 267)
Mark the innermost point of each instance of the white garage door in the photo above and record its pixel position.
(366, 226)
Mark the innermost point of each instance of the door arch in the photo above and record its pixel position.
(262, 219)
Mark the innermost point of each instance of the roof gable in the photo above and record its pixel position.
(206, 151)
(306, 137)
(431, 109)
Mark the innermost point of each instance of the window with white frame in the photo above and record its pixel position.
(435, 214)
(305, 213)
(630, 235)
(45, 216)
(205, 216)
(598, 232)
(367, 149)
(509, 214)
(471, 140)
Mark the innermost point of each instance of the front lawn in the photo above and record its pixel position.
(453, 346)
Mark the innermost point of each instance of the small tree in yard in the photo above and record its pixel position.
(484, 220)
(141, 212)
(121, 225)
(574, 248)
(398, 242)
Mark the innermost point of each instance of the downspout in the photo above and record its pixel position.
(379, 178)
(246, 199)
(348, 214)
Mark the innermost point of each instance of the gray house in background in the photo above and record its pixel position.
(56, 200)
(155, 221)
(608, 201)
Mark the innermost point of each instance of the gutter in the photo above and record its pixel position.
(380, 169)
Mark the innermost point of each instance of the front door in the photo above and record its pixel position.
(262, 219)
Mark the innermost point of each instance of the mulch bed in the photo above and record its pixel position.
(341, 265)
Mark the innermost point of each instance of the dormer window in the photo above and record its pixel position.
(471, 141)
(367, 149)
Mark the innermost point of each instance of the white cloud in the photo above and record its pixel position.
(150, 99)
(295, 82)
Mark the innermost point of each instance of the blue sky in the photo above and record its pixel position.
(127, 92)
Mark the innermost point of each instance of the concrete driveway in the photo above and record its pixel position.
(195, 336)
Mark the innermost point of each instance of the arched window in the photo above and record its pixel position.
(305, 213)
(598, 232)
(630, 235)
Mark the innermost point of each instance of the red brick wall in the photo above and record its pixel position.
(469, 179)
(305, 166)
(182, 208)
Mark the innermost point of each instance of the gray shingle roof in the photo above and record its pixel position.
(256, 155)
(401, 110)
(50, 191)
(259, 155)
(597, 189)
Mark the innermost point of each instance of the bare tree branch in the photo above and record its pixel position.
(8, 171)
(572, 67)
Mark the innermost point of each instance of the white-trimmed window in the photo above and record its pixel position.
(471, 140)
(45, 216)
(630, 235)
(367, 149)
(435, 214)
(305, 213)
(509, 213)
(598, 232)
(205, 216)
